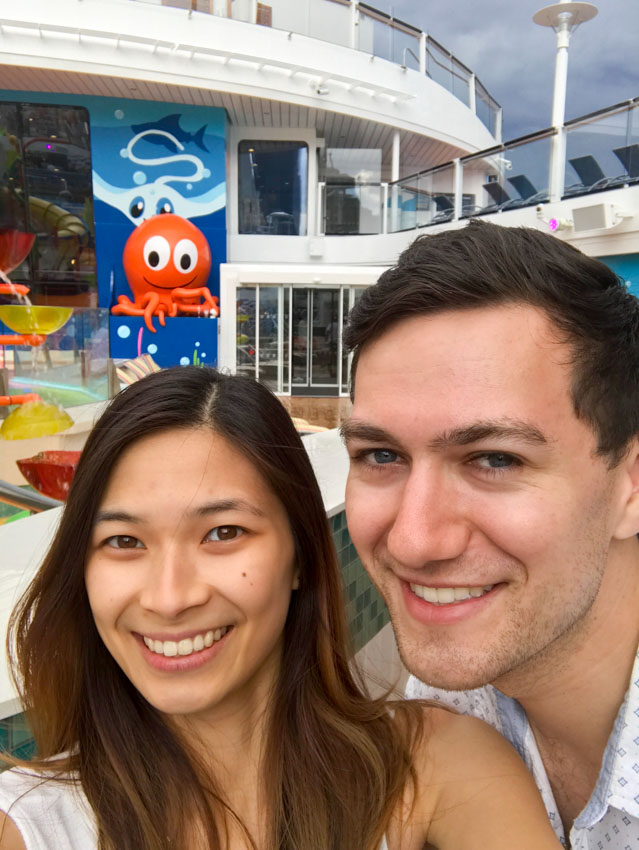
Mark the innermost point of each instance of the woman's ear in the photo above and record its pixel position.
(628, 523)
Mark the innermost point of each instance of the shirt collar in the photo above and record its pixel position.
(618, 782)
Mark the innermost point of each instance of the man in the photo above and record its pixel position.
(493, 496)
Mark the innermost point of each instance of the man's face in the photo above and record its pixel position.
(475, 498)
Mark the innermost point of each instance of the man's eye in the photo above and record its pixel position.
(124, 541)
(382, 456)
(496, 461)
(224, 532)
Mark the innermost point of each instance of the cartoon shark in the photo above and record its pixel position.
(171, 124)
(140, 202)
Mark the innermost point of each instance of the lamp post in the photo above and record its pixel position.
(564, 18)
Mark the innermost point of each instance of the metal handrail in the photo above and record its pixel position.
(11, 494)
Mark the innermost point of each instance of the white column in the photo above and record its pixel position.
(422, 53)
(458, 188)
(472, 94)
(354, 24)
(394, 177)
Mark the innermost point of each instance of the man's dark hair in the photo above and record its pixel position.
(484, 265)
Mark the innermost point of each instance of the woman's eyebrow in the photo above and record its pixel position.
(115, 516)
(225, 505)
(205, 509)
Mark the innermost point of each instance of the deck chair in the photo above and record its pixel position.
(592, 177)
(498, 194)
(629, 158)
(528, 193)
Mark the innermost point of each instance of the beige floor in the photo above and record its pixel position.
(328, 412)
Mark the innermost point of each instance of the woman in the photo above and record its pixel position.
(183, 659)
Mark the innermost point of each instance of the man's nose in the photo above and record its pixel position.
(173, 583)
(430, 523)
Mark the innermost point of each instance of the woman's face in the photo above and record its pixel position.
(190, 572)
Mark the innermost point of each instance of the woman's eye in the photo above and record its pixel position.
(496, 461)
(124, 541)
(224, 532)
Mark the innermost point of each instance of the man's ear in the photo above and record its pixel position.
(628, 522)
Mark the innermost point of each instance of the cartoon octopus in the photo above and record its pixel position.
(167, 261)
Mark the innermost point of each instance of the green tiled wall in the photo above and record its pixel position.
(367, 613)
(16, 738)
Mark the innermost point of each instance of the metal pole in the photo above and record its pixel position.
(563, 17)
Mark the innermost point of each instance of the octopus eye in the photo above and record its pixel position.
(137, 207)
(156, 252)
(185, 256)
(164, 206)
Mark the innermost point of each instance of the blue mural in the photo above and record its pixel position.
(150, 158)
(627, 267)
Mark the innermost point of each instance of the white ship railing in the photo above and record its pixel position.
(601, 153)
(360, 26)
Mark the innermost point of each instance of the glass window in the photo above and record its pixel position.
(268, 342)
(245, 337)
(273, 179)
(47, 190)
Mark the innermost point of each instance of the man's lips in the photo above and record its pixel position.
(450, 603)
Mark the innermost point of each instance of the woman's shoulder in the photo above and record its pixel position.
(46, 803)
(472, 789)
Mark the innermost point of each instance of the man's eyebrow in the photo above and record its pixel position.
(463, 436)
(478, 431)
(198, 511)
(352, 430)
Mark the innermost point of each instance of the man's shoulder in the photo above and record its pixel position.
(479, 702)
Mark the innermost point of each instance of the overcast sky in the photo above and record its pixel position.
(515, 59)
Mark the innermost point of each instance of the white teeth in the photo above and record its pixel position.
(446, 595)
(187, 646)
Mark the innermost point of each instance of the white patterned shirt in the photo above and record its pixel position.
(610, 820)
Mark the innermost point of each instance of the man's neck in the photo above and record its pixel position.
(572, 692)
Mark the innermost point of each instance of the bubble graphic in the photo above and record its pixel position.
(197, 344)
(124, 332)
(119, 114)
(207, 172)
(139, 177)
(203, 354)
(123, 153)
(152, 349)
(189, 185)
(184, 361)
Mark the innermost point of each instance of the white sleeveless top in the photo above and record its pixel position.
(52, 814)
(48, 813)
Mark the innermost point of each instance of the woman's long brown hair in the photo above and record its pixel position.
(335, 763)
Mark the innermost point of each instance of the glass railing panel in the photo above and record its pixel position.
(375, 35)
(486, 107)
(330, 20)
(352, 210)
(461, 81)
(602, 152)
(422, 199)
(70, 367)
(405, 47)
(506, 178)
(439, 64)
